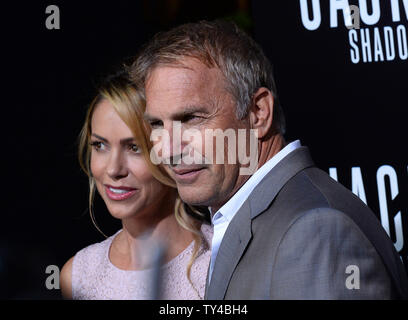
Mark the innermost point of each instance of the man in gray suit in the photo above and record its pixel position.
(284, 231)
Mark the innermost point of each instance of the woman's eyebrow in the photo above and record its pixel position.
(127, 140)
(147, 117)
(99, 137)
(123, 141)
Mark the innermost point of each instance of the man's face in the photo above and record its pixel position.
(195, 95)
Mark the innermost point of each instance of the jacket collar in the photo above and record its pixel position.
(239, 234)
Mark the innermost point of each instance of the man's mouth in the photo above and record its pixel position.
(182, 171)
(187, 174)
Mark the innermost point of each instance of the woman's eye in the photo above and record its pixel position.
(97, 145)
(135, 148)
(156, 124)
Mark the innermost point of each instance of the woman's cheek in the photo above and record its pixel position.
(96, 166)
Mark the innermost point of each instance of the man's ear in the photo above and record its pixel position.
(261, 112)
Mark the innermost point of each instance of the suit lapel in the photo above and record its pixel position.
(233, 244)
(239, 234)
(206, 284)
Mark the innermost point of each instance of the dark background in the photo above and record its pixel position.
(349, 115)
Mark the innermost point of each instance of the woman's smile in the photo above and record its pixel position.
(119, 193)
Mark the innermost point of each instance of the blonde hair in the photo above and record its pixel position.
(130, 106)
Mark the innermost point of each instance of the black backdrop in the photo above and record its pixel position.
(350, 115)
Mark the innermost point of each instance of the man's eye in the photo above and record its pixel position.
(191, 118)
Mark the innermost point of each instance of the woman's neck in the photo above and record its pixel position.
(158, 229)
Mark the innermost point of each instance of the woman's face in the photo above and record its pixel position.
(121, 173)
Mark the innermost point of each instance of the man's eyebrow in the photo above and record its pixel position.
(179, 115)
(190, 109)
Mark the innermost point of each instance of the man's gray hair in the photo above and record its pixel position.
(216, 44)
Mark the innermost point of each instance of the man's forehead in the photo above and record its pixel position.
(174, 90)
(168, 78)
(187, 72)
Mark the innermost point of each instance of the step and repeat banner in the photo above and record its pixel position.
(341, 69)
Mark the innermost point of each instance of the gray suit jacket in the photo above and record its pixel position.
(296, 236)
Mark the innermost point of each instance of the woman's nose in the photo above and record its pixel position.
(116, 168)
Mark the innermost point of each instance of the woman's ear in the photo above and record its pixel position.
(261, 112)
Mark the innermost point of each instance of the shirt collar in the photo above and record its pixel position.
(231, 207)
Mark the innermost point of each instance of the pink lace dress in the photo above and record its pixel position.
(94, 277)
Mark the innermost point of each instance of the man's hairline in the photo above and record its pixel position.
(177, 63)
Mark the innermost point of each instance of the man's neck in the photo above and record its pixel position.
(267, 149)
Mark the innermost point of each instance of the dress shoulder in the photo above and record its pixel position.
(88, 264)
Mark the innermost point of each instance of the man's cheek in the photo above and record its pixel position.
(193, 152)
(160, 152)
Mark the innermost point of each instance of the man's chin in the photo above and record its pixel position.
(193, 195)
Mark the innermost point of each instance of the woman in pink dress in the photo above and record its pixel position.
(115, 154)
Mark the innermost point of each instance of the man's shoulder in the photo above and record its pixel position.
(313, 193)
(312, 203)
(313, 188)
(296, 184)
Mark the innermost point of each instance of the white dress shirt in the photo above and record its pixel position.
(224, 215)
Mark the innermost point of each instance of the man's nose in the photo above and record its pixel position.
(117, 168)
(172, 148)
